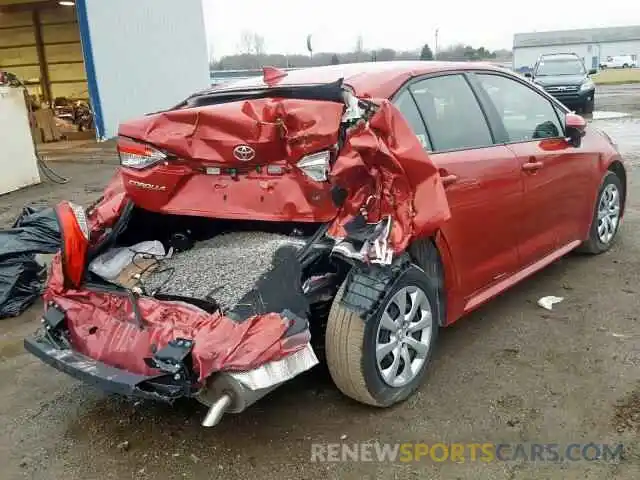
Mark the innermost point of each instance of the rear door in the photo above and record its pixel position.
(482, 179)
(555, 174)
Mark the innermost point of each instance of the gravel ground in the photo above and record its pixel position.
(225, 267)
(510, 372)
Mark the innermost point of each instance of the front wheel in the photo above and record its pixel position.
(382, 360)
(606, 217)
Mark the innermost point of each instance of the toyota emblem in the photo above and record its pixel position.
(244, 153)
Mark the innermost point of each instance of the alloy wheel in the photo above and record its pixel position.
(608, 213)
(404, 336)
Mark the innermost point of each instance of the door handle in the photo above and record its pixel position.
(448, 179)
(532, 166)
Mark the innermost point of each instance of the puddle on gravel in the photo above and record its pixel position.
(11, 348)
(625, 132)
(598, 115)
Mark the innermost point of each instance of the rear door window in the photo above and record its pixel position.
(452, 113)
(404, 102)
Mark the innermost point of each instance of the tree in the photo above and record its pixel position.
(483, 53)
(426, 53)
(258, 44)
(385, 54)
(470, 53)
(359, 47)
(212, 58)
(334, 59)
(246, 43)
(251, 43)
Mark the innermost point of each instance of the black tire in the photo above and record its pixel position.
(594, 245)
(351, 346)
(626, 65)
(588, 106)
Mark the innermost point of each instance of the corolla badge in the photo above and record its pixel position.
(148, 186)
(244, 153)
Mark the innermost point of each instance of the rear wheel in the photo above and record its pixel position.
(382, 361)
(606, 217)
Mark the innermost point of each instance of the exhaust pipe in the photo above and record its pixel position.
(235, 392)
(216, 411)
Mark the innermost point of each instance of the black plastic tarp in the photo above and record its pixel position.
(21, 277)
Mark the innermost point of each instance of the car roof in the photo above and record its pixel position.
(371, 79)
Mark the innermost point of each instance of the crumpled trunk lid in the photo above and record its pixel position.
(276, 130)
(237, 160)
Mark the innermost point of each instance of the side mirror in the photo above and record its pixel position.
(593, 71)
(575, 127)
(528, 75)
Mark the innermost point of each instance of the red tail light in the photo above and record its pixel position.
(134, 154)
(75, 241)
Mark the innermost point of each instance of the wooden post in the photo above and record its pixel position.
(45, 82)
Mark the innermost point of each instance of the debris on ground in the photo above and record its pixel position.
(627, 413)
(619, 335)
(124, 446)
(548, 302)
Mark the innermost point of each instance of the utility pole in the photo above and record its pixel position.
(310, 47)
(435, 54)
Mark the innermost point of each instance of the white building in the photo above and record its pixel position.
(594, 45)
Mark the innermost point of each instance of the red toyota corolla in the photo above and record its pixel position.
(397, 197)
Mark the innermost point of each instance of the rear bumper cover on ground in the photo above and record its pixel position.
(225, 392)
(101, 375)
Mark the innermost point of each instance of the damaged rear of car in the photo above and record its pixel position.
(239, 223)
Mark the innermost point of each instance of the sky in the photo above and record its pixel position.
(402, 24)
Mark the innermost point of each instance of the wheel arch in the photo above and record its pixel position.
(434, 256)
(618, 168)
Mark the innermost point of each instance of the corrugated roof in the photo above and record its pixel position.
(587, 35)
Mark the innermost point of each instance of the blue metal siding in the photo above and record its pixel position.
(87, 52)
